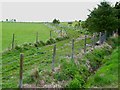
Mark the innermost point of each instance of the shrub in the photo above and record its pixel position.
(18, 47)
(75, 83)
(62, 38)
(114, 41)
(31, 44)
(59, 76)
(50, 41)
(69, 69)
(29, 79)
(26, 47)
(36, 44)
(33, 76)
(25, 44)
(42, 43)
(55, 21)
(66, 37)
(80, 78)
(84, 71)
(96, 57)
(59, 39)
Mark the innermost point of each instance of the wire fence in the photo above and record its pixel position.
(70, 50)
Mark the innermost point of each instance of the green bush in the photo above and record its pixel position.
(62, 38)
(36, 44)
(59, 76)
(59, 39)
(29, 79)
(96, 57)
(18, 47)
(30, 43)
(84, 71)
(42, 43)
(26, 47)
(25, 44)
(75, 83)
(69, 68)
(114, 41)
(50, 41)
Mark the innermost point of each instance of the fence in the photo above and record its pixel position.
(79, 46)
(71, 50)
(37, 38)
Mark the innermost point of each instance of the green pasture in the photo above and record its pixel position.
(24, 32)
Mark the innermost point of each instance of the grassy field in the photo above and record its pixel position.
(74, 76)
(24, 32)
(41, 57)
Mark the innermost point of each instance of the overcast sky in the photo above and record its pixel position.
(47, 11)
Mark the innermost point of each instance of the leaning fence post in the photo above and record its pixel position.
(13, 40)
(100, 37)
(85, 44)
(37, 37)
(21, 70)
(54, 54)
(72, 57)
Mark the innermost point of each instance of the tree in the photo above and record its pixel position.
(6, 20)
(83, 24)
(14, 20)
(55, 21)
(102, 19)
(117, 7)
(76, 24)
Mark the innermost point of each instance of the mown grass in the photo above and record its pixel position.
(24, 33)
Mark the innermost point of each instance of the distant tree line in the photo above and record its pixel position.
(10, 20)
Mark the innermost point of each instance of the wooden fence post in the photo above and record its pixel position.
(100, 37)
(93, 41)
(37, 37)
(61, 32)
(13, 41)
(21, 70)
(105, 36)
(54, 54)
(72, 57)
(50, 34)
(113, 33)
(117, 31)
(85, 44)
